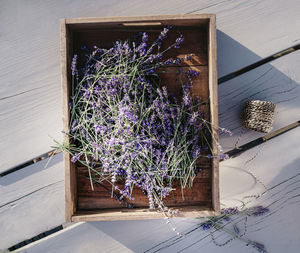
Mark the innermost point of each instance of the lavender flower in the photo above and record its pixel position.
(76, 157)
(192, 73)
(258, 246)
(259, 211)
(73, 65)
(206, 226)
(218, 223)
(188, 57)
(145, 37)
(179, 41)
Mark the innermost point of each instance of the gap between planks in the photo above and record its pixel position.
(220, 81)
(231, 153)
(258, 64)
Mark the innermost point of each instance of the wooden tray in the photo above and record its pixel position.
(199, 31)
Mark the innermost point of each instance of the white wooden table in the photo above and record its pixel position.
(32, 198)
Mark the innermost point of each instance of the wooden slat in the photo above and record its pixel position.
(251, 30)
(141, 214)
(273, 162)
(181, 20)
(213, 101)
(91, 240)
(101, 197)
(195, 41)
(70, 172)
(108, 237)
(32, 201)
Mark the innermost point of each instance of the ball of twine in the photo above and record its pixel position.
(259, 115)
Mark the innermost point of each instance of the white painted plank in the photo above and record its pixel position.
(235, 184)
(278, 81)
(82, 237)
(30, 95)
(251, 30)
(32, 201)
(122, 236)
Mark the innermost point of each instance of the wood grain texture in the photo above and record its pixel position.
(195, 40)
(213, 97)
(70, 171)
(30, 91)
(100, 198)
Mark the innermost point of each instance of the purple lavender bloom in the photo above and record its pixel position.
(161, 37)
(97, 146)
(232, 210)
(224, 130)
(73, 65)
(196, 152)
(259, 210)
(192, 73)
(236, 229)
(145, 37)
(74, 124)
(168, 62)
(206, 225)
(259, 247)
(188, 57)
(75, 158)
(223, 156)
(164, 32)
(84, 48)
(179, 41)
(187, 87)
(187, 100)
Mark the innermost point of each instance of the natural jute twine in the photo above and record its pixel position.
(259, 115)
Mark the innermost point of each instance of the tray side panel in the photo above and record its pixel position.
(213, 88)
(70, 170)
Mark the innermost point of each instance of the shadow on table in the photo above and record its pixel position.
(156, 236)
(266, 82)
(232, 56)
(30, 170)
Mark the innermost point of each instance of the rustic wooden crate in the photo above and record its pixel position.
(199, 31)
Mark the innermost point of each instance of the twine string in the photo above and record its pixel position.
(258, 115)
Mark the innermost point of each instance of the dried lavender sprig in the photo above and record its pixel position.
(216, 222)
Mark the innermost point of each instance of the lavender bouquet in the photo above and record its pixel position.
(125, 127)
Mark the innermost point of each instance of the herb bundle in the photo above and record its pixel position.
(125, 127)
